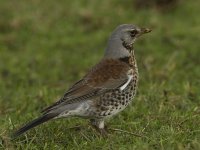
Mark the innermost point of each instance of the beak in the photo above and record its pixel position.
(145, 30)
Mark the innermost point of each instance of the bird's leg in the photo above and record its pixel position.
(99, 125)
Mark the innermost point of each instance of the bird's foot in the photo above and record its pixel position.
(102, 131)
(99, 126)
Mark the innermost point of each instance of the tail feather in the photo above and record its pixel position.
(34, 123)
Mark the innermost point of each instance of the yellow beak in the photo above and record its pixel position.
(145, 30)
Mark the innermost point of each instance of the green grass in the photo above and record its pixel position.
(45, 46)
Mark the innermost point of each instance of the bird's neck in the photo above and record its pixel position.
(116, 49)
(130, 60)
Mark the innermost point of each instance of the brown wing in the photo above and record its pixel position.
(107, 75)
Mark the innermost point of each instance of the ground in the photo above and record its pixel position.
(45, 46)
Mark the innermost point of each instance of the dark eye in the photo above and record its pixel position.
(133, 33)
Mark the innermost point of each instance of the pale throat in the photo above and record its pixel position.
(133, 61)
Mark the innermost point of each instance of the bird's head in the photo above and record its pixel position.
(121, 41)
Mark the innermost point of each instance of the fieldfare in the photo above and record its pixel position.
(106, 89)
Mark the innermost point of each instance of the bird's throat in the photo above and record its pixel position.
(127, 46)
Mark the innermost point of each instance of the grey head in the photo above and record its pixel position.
(120, 43)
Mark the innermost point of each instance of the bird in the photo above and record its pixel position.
(106, 89)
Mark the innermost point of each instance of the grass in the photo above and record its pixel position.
(46, 46)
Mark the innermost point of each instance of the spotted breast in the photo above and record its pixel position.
(117, 100)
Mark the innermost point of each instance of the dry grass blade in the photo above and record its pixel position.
(127, 132)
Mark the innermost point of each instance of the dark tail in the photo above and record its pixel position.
(34, 123)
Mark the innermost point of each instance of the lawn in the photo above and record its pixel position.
(45, 46)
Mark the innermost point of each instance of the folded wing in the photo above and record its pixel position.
(109, 74)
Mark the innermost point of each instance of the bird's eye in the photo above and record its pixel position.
(133, 33)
